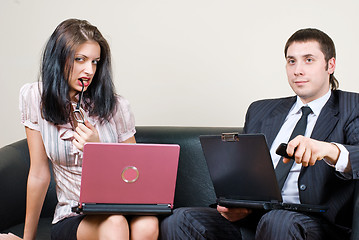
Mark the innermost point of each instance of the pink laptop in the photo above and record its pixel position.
(128, 178)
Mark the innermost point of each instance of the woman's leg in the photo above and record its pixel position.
(66, 228)
(144, 227)
(103, 227)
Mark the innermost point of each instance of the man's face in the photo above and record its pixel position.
(308, 72)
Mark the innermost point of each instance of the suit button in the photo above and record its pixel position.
(302, 187)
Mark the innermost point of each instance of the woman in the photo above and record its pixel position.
(74, 103)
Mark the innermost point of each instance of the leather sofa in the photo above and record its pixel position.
(193, 188)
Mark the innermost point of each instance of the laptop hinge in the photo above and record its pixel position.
(273, 204)
(230, 137)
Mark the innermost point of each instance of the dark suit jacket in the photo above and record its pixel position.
(338, 122)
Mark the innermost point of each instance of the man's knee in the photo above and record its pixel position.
(198, 223)
(184, 223)
(282, 224)
(179, 217)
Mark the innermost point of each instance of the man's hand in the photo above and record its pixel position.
(309, 151)
(233, 214)
(85, 133)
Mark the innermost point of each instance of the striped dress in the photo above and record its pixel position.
(65, 157)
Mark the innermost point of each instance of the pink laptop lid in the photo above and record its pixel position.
(120, 173)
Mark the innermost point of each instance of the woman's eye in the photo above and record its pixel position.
(79, 59)
(95, 62)
(309, 60)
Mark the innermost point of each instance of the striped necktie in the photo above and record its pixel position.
(282, 169)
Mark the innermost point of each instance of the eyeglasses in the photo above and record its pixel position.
(78, 114)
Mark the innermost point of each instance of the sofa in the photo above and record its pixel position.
(193, 188)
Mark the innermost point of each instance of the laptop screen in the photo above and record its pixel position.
(118, 173)
(241, 168)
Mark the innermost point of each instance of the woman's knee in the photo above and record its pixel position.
(114, 227)
(144, 227)
(117, 221)
(98, 226)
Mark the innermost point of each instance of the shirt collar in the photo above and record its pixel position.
(315, 105)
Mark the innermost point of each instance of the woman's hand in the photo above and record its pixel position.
(9, 236)
(85, 133)
(233, 214)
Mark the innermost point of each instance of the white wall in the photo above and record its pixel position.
(179, 62)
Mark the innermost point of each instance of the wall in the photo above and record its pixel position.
(183, 62)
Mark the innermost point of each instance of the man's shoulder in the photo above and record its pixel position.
(346, 102)
(345, 99)
(346, 94)
(272, 102)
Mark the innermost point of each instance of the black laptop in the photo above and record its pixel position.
(243, 175)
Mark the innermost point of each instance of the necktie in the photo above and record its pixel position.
(282, 169)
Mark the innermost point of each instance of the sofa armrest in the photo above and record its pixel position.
(355, 225)
(14, 168)
(13, 177)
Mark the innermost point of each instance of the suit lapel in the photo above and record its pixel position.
(272, 124)
(327, 120)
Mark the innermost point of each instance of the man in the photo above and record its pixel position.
(326, 155)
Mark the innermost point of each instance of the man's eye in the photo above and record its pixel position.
(291, 61)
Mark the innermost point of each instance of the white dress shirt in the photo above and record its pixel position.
(290, 192)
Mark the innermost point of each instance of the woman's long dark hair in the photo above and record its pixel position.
(56, 69)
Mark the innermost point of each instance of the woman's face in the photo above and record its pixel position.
(86, 58)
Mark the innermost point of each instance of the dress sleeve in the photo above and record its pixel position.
(29, 104)
(124, 119)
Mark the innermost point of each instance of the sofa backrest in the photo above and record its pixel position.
(193, 187)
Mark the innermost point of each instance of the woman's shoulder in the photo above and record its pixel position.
(122, 102)
(123, 113)
(29, 104)
(31, 90)
(120, 98)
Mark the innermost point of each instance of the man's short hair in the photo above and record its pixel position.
(326, 45)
